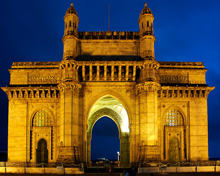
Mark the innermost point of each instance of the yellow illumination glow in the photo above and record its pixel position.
(115, 105)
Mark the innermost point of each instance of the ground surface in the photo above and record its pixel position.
(102, 174)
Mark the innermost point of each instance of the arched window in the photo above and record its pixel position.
(42, 118)
(173, 118)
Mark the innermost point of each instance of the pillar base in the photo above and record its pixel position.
(68, 154)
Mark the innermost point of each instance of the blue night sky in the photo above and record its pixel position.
(186, 30)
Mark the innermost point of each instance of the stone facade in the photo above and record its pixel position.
(160, 108)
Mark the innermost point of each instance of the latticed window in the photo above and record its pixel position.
(42, 118)
(173, 118)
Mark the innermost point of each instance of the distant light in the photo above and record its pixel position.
(118, 152)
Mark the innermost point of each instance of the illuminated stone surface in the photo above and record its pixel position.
(112, 74)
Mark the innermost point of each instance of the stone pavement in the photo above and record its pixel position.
(117, 174)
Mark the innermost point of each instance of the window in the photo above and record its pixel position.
(173, 118)
(42, 118)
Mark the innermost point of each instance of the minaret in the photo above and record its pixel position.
(146, 32)
(70, 40)
(147, 87)
(69, 87)
(71, 22)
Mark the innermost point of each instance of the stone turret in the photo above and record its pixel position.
(70, 41)
(147, 88)
(146, 33)
(70, 38)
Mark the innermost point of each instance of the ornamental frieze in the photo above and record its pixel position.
(182, 92)
(67, 87)
(147, 87)
(42, 79)
(29, 92)
(174, 78)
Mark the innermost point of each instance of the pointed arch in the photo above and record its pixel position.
(174, 116)
(112, 94)
(39, 114)
(104, 112)
(110, 104)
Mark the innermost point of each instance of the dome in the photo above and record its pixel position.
(146, 10)
(71, 10)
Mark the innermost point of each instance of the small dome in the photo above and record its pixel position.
(146, 10)
(71, 10)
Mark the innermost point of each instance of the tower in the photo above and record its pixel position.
(70, 40)
(69, 87)
(146, 33)
(147, 88)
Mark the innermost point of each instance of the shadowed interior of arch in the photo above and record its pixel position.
(105, 140)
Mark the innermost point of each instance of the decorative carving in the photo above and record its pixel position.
(35, 65)
(115, 71)
(42, 79)
(174, 79)
(148, 87)
(31, 92)
(182, 92)
(181, 64)
(151, 64)
(147, 54)
(108, 35)
(67, 87)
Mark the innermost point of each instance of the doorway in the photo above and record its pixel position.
(42, 152)
(174, 151)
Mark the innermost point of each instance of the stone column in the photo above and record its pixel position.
(105, 72)
(119, 73)
(134, 73)
(126, 73)
(90, 73)
(69, 127)
(112, 72)
(83, 72)
(147, 93)
(97, 78)
(125, 151)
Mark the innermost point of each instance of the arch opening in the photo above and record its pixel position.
(105, 140)
(111, 107)
(114, 104)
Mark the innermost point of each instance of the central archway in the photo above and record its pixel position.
(112, 108)
(105, 141)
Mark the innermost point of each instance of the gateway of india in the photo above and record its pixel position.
(160, 108)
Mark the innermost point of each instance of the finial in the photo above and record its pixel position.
(71, 4)
(145, 4)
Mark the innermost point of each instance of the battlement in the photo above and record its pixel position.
(182, 64)
(35, 64)
(122, 35)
